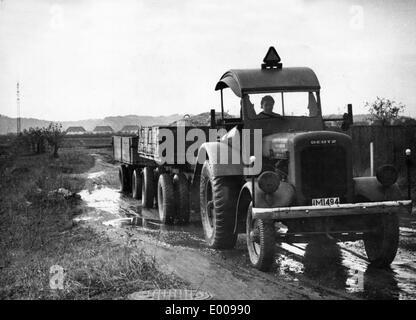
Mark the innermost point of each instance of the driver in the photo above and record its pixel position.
(267, 104)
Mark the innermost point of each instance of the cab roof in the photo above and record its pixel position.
(244, 81)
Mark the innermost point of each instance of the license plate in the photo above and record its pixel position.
(325, 201)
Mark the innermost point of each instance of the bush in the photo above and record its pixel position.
(384, 110)
(37, 139)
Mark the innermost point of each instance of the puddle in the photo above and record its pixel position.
(109, 200)
(104, 198)
(93, 175)
(134, 221)
(189, 236)
(116, 210)
(342, 267)
(84, 218)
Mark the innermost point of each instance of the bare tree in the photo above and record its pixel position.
(35, 138)
(384, 110)
(54, 135)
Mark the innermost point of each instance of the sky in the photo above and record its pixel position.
(83, 59)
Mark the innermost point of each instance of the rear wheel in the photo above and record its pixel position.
(260, 235)
(166, 199)
(136, 184)
(218, 199)
(180, 184)
(148, 187)
(381, 245)
(123, 178)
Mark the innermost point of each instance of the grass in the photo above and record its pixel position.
(37, 233)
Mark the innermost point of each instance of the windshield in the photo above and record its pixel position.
(279, 104)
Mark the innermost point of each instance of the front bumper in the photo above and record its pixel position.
(347, 209)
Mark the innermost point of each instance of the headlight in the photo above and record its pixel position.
(269, 181)
(387, 175)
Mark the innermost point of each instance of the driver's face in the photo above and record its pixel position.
(268, 107)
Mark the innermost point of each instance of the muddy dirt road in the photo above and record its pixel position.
(336, 271)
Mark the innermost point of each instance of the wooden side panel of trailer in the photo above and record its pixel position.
(117, 148)
(129, 150)
(125, 150)
(150, 139)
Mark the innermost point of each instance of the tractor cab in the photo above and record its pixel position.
(294, 95)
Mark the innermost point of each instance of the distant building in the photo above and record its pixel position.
(103, 130)
(130, 129)
(76, 130)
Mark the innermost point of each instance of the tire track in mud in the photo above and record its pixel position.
(301, 272)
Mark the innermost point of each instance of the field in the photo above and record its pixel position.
(38, 232)
(87, 141)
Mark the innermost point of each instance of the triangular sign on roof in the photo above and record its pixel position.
(271, 59)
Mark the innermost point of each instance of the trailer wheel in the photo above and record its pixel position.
(381, 245)
(180, 184)
(166, 199)
(260, 235)
(148, 188)
(136, 184)
(123, 178)
(218, 199)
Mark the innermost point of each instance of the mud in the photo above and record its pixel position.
(302, 271)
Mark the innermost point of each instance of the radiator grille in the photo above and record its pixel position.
(324, 172)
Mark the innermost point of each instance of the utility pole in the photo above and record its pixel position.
(19, 124)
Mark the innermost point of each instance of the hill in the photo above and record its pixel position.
(8, 125)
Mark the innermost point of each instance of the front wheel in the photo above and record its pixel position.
(381, 245)
(218, 199)
(260, 235)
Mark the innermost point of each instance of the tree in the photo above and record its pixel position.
(384, 110)
(35, 138)
(54, 135)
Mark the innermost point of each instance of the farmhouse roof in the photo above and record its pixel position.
(102, 128)
(75, 129)
(130, 128)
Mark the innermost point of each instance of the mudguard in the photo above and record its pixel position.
(223, 159)
(283, 197)
(214, 152)
(369, 189)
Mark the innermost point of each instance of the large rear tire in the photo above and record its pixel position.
(381, 245)
(260, 236)
(136, 184)
(148, 188)
(181, 189)
(166, 199)
(218, 199)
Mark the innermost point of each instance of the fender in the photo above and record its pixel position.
(214, 152)
(224, 160)
(283, 197)
(370, 189)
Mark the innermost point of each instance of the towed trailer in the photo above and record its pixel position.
(145, 174)
(303, 191)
